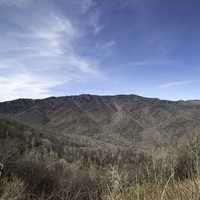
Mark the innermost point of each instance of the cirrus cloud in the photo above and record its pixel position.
(40, 53)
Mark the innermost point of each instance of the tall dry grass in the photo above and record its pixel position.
(171, 190)
(128, 176)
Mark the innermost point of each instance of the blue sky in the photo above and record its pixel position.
(69, 47)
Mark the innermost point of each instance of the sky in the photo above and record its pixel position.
(105, 47)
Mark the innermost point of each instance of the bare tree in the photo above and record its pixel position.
(1, 169)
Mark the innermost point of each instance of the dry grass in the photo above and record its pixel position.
(44, 176)
(13, 189)
(176, 190)
(80, 185)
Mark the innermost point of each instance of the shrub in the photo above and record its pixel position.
(13, 189)
(36, 175)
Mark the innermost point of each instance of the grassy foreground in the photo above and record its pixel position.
(14, 188)
(41, 174)
(176, 190)
(55, 179)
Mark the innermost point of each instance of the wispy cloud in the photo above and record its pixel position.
(176, 84)
(94, 22)
(86, 5)
(109, 44)
(25, 85)
(41, 54)
(151, 62)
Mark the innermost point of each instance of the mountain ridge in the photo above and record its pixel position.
(116, 120)
(100, 95)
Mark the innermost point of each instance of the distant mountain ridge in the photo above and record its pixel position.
(109, 121)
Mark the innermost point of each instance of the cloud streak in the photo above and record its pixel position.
(176, 84)
(41, 55)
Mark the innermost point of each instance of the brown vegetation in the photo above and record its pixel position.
(43, 175)
(99, 148)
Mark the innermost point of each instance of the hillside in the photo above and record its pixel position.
(99, 147)
(109, 121)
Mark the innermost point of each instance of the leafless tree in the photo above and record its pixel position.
(1, 169)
